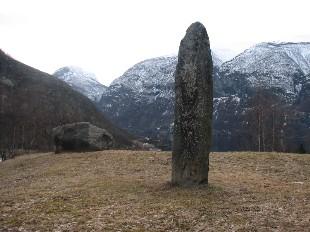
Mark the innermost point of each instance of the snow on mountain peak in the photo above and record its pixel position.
(298, 52)
(152, 73)
(76, 72)
(82, 81)
(281, 65)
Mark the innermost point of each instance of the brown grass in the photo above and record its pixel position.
(129, 191)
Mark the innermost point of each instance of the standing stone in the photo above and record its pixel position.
(193, 108)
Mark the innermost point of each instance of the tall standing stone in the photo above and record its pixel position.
(193, 108)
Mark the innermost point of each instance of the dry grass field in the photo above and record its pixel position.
(130, 191)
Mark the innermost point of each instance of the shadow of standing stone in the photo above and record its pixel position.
(193, 108)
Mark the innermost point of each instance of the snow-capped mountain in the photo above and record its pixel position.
(142, 99)
(275, 57)
(282, 66)
(82, 81)
(152, 75)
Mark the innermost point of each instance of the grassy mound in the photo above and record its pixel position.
(130, 191)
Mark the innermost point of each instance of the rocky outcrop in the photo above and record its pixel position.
(193, 108)
(81, 136)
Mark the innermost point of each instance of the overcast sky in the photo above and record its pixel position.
(106, 37)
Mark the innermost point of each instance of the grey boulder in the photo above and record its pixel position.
(81, 136)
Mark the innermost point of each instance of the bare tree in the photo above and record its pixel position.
(267, 117)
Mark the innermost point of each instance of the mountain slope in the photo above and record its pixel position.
(83, 82)
(33, 102)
